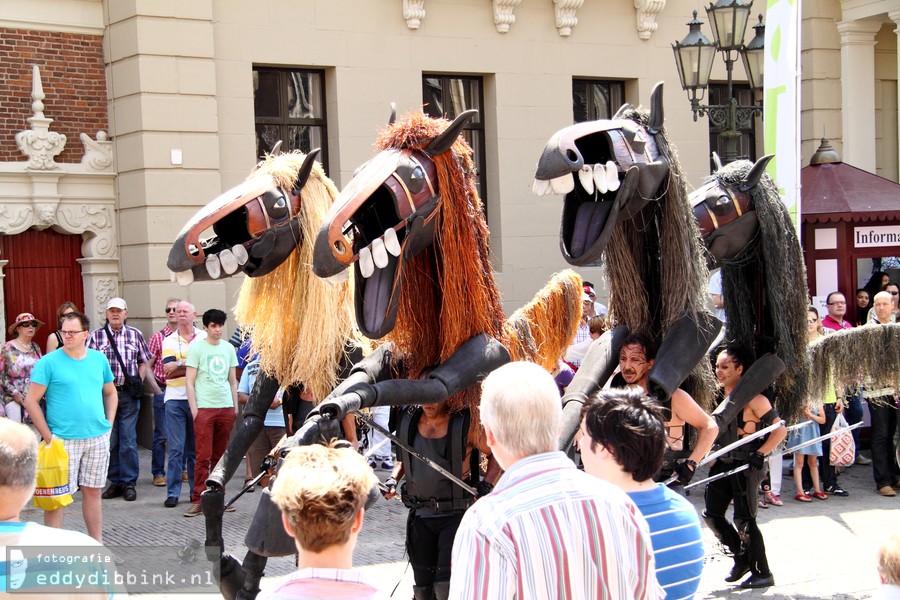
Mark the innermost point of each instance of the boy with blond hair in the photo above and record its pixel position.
(322, 493)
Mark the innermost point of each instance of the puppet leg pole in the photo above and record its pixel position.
(254, 419)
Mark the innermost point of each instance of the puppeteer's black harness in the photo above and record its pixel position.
(458, 431)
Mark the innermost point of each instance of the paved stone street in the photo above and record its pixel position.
(823, 549)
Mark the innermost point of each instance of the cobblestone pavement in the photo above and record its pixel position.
(823, 549)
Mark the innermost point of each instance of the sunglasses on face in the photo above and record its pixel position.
(28, 324)
(812, 320)
(170, 309)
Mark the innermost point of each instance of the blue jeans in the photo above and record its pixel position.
(158, 462)
(180, 439)
(123, 452)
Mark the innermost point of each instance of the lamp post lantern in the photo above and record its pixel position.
(694, 57)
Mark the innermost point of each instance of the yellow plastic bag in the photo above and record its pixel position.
(52, 491)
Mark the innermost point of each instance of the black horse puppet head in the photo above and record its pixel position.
(725, 213)
(608, 170)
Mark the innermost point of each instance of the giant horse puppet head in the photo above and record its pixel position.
(626, 200)
(411, 225)
(748, 231)
(256, 225)
(608, 170)
(264, 228)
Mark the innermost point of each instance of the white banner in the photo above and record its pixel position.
(781, 100)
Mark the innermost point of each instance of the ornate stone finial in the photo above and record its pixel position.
(37, 92)
(565, 15)
(413, 12)
(503, 13)
(97, 154)
(40, 144)
(646, 11)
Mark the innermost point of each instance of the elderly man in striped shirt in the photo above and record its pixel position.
(547, 530)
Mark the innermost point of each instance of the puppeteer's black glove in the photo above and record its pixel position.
(483, 488)
(685, 471)
(390, 485)
(757, 461)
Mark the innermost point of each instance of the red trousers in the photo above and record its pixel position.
(212, 428)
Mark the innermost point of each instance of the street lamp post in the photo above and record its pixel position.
(694, 57)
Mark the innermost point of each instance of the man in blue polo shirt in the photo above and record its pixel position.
(81, 405)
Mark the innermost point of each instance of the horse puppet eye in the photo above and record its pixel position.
(416, 180)
(276, 204)
(412, 175)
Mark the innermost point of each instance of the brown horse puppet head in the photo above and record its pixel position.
(609, 170)
(411, 225)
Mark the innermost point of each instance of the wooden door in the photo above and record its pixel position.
(41, 274)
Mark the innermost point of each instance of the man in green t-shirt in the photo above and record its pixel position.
(212, 395)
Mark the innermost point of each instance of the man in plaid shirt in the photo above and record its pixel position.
(123, 453)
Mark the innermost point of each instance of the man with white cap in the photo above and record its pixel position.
(128, 355)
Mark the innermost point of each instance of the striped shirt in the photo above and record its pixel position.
(175, 348)
(549, 530)
(677, 540)
(131, 345)
(155, 345)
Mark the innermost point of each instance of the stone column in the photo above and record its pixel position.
(858, 92)
(895, 17)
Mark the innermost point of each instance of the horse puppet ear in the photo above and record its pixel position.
(756, 172)
(393, 117)
(444, 141)
(657, 116)
(305, 170)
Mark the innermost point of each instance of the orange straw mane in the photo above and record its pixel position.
(449, 294)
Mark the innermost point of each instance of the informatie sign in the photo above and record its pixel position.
(876, 236)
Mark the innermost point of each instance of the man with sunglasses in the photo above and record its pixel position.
(81, 406)
(837, 308)
(894, 290)
(882, 403)
(156, 379)
(849, 401)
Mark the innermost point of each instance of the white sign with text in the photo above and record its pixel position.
(875, 236)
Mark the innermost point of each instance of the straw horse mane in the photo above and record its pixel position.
(301, 324)
(649, 299)
(449, 293)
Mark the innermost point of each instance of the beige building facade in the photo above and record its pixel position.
(182, 118)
